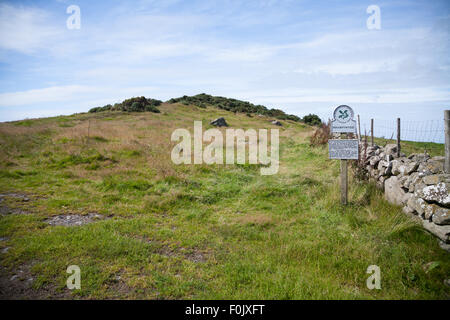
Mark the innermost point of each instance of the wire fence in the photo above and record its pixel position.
(419, 131)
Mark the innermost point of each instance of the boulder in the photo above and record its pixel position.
(219, 122)
(438, 158)
(429, 211)
(374, 160)
(436, 178)
(411, 167)
(369, 153)
(442, 232)
(418, 188)
(438, 193)
(380, 182)
(411, 181)
(408, 210)
(385, 168)
(402, 181)
(446, 247)
(439, 215)
(419, 157)
(276, 122)
(396, 167)
(433, 166)
(391, 149)
(381, 165)
(394, 192)
(388, 170)
(417, 205)
(404, 167)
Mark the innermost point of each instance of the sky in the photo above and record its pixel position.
(296, 55)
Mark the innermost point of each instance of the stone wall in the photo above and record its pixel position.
(417, 183)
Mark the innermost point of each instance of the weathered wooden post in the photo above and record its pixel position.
(398, 137)
(371, 130)
(343, 149)
(359, 128)
(365, 138)
(344, 182)
(447, 141)
(89, 131)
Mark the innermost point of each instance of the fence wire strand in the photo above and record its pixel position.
(410, 130)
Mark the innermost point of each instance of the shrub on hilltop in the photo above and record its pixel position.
(137, 104)
(312, 120)
(202, 100)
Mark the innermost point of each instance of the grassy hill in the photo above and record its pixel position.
(195, 231)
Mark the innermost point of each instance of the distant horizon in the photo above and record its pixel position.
(384, 127)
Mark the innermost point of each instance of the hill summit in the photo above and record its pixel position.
(141, 104)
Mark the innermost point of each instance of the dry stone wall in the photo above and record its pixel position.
(417, 183)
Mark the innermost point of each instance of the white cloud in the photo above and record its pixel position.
(24, 29)
(352, 68)
(295, 95)
(70, 93)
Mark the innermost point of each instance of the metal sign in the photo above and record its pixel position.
(343, 120)
(343, 149)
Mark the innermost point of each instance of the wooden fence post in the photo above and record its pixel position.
(365, 137)
(88, 131)
(371, 130)
(398, 137)
(359, 129)
(447, 141)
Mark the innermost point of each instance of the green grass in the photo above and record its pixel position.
(409, 147)
(202, 232)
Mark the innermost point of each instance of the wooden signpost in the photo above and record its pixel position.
(343, 149)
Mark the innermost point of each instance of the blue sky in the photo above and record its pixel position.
(300, 56)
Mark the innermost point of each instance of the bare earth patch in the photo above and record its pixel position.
(5, 210)
(18, 285)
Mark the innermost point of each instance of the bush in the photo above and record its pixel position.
(233, 105)
(321, 135)
(312, 120)
(359, 166)
(136, 107)
(151, 109)
(138, 104)
(96, 109)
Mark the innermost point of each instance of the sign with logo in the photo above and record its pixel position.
(343, 120)
(343, 149)
(347, 149)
